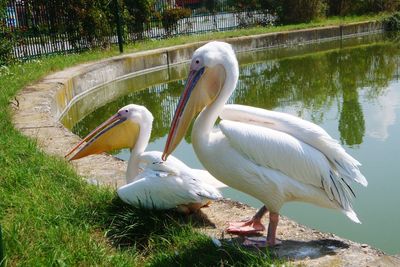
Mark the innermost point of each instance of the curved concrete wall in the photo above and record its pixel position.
(83, 78)
(43, 104)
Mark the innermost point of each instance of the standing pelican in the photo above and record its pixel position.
(151, 182)
(274, 157)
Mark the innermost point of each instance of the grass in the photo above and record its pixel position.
(50, 216)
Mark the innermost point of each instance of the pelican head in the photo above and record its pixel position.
(120, 131)
(205, 83)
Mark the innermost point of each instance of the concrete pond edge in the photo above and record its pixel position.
(42, 104)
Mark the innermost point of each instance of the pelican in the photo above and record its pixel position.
(151, 182)
(272, 156)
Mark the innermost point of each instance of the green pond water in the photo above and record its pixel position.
(349, 87)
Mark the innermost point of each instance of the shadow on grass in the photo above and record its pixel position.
(127, 225)
(167, 238)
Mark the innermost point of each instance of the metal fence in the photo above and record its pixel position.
(38, 27)
(223, 16)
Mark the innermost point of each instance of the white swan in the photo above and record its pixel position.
(274, 157)
(151, 182)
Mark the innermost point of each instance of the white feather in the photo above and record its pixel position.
(306, 131)
(162, 190)
(282, 152)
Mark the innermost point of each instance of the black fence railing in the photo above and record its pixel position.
(206, 23)
(39, 27)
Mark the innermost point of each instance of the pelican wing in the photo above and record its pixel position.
(163, 190)
(167, 184)
(173, 166)
(307, 132)
(193, 182)
(283, 152)
(206, 177)
(152, 189)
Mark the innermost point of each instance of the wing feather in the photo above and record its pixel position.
(167, 184)
(308, 132)
(160, 190)
(280, 151)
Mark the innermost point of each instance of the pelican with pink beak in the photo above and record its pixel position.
(151, 182)
(272, 156)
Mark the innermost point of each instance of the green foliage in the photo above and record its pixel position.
(392, 23)
(211, 5)
(359, 7)
(138, 13)
(89, 22)
(6, 46)
(298, 11)
(245, 5)
(171, 16)
(2, 261)
(340, 7)
(93, 21)
(7, 39)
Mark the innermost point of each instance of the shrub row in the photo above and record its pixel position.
(298, 11)
(93, 22)
(6, 38)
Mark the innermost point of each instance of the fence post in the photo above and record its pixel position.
(2, 256)
(119, 27)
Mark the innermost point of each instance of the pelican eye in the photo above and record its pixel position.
(126, 111)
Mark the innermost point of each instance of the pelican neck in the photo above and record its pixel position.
(205, 121)
(137, 150)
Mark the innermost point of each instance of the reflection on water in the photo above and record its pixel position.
(351, 88)
(310, 83)
(382, 113)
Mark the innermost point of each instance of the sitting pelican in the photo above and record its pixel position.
(272, 156)
(151, 182)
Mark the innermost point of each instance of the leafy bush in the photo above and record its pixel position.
(393, 22)
(299, 11)
(7, 39)
(6, 46)
(359, 7)
(211, 5)
(91, 20)
(138, 13)
(171, 16)
(339, 7)
(245, 5)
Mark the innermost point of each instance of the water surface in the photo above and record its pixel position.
(351, 88)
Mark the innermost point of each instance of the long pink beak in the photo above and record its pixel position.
(191, 82)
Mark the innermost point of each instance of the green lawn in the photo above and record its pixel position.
(50, 216)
